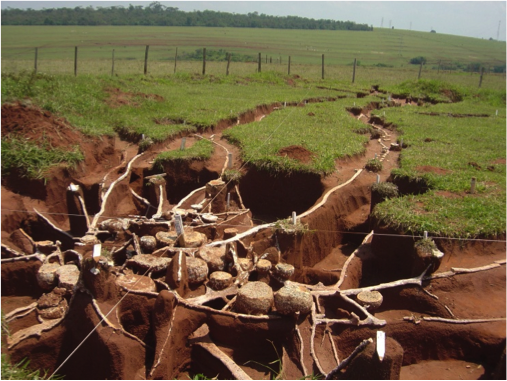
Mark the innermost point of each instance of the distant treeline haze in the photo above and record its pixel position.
(157, 14)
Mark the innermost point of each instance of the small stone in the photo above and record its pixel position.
(166, 238)
(209, 218)
(68, 276)
(89, 239)
(213, 256)
(45, 247)
(194, 239)
(292, 298)
(284, 271)
(56, 312)
(148, 243)
(244, 263)
(263, 266)
(370, 299)
(254, 298)
(142, 263)
(113, 226)
(134, 282)
(197, 270)
(46, 277)
(219, 280)
(51, 299)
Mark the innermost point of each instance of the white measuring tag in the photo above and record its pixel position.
(381, 344)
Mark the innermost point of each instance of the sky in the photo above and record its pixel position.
(479, 19)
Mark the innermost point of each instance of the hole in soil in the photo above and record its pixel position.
(273, 197)
(216, 304)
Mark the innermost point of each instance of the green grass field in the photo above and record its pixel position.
(385, 46)
(192, 101)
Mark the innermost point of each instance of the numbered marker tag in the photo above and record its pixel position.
(97, 249)
(381, 344)
(178, 224)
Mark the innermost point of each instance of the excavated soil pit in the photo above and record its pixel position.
(166, 320)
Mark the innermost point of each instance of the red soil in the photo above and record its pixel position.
(153, 335)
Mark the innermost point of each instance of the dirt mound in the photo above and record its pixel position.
(429, 168)
(298, 153)
(38, 126)
(119, 98)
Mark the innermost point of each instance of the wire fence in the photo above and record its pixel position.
(160, 61)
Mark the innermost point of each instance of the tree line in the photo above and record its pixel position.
(156, 14)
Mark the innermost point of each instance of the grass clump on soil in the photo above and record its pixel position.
(232, 175)
(444, 153)
(374, 165)
(200, 150)
(31, 161)
(426, 245)
(385, 189)
(430, 90)
(324, 130)
(20, 371)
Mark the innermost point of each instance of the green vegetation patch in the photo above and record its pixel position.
(444, 153)
(324, 130)
(200, 150)
(31, 161)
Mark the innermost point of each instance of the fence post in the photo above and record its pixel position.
(438, 72)
(480, 79)
(203, 61)
(146, 59)
(322, 66)
(259, 63)
(288, 73)
(354, 71)
(175, 59)
(75, 61)
(35, 63)
(420, 69)
(228, 63)
(112, 65)
(266, 58)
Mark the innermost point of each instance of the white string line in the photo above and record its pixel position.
(311, 230)
(99, 323)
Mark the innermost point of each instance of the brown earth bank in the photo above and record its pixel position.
(157, 304)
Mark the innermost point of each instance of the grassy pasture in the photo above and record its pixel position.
(386, 46)
(324, 129)
(445, 152)
(191, 101)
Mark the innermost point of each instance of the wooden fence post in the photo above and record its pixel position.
(480, 79)
(259, 63)
(322, 66)
(266, 58)
(146, 59)
(35, 63)
(228, 63)
(420, 69)
(354, 71)
(289, 67)
(112, 65)
(438, 71)
(203, 61)
(75, 61)
(175, 59)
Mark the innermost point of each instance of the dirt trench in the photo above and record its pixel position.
(170, 319)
